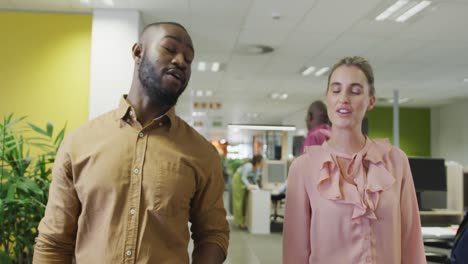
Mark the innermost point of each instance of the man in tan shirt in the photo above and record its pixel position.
(126, 184)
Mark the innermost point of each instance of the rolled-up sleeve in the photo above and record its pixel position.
(57, 229)
(412, 248)
(296, 230)
(207, 215)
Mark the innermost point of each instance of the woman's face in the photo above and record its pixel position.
(348, 97)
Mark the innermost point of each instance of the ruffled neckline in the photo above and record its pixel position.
(364, 196)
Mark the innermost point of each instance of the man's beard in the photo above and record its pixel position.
(152, 85)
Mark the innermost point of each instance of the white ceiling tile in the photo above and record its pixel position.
(260, 15)
(181, 15)
(306, 45)
(264, 87)
(454, 52)
(207, 56)
(307, 86)
(284, 67)
(224, 15)
(152, 4)
(370, 27)
(335, 16)
(350, 45)
(273, 38)
(247, 65)
(213, 40)
(394, 50)
(234, 84)
(424, 58)
(448, 21)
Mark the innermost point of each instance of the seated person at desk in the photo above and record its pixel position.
(244, 179)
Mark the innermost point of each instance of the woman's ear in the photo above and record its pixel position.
(371, 103)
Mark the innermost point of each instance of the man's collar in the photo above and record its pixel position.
(125, 107)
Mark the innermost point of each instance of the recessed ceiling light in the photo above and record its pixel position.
(275, 95)
(198, 113)
(209, 93)
(199, 93)
(465, 80)
(108, 2)
(276, 15)
(284, 96)
(392, 9)
(321, 71)
(413, 11)
(201, 66)
(215, 67)
(251, 115)
(308, 70)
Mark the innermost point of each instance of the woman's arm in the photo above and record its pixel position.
(296, 229)
(412, 248)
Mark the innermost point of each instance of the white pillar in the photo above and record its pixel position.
(396, 118)
(113, 35)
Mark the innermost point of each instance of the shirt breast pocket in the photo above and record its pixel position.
(174, 188)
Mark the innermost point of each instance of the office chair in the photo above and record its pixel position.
(459, 246)
(276, 200)
(437, 257)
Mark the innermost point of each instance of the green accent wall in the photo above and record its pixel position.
(415, 128)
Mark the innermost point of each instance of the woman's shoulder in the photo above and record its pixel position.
(382, 148)
(312, 156)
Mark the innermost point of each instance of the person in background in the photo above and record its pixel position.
(318, 125)
(126, 184)
(352, 199)
(243, 180)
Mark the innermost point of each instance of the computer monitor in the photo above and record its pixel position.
(274, 174)
(429, 174)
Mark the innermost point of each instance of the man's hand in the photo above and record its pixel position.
(208, 253)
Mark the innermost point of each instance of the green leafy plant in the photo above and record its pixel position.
(26, 156)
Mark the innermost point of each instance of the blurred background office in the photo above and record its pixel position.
(258, 66)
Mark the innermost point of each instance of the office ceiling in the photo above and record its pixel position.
(425, 58)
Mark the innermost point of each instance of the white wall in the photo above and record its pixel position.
(113, 35)
(296, 119)
(449, 132)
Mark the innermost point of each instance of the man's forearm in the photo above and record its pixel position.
(208, 253)
(47, 252)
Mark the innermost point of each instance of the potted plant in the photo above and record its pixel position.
(26, 156)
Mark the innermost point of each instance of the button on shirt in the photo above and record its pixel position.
(122, 193)
(370, 217)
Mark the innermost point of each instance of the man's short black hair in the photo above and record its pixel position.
(157, 24)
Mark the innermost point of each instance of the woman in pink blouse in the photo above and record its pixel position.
(352, 199)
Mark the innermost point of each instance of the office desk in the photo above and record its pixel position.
(258, 212)
(439, 232)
